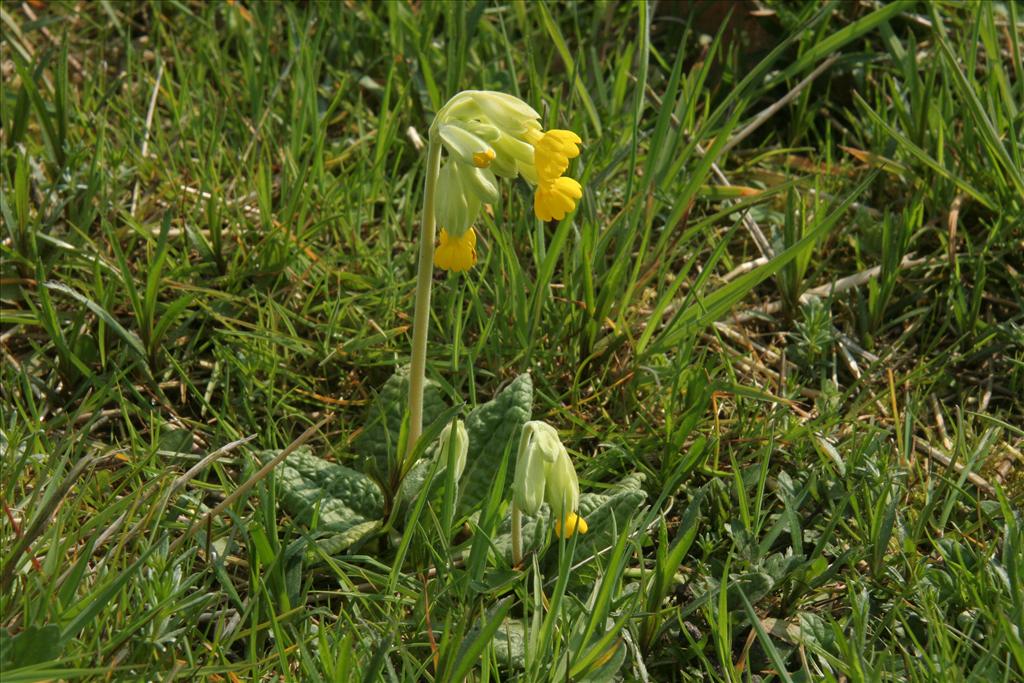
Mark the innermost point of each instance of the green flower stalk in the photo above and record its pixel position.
(486, 135)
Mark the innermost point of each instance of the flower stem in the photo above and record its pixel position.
(421, 317)
(517, 535)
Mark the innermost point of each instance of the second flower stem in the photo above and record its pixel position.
(421, 316)
(517, 535)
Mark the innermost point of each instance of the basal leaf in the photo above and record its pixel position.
(346, 504)
(491, 427)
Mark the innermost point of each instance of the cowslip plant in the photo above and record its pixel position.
(486, 135)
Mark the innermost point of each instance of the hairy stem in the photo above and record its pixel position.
(421, 317)
(517, 535)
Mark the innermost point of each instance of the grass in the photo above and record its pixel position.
(210, 214)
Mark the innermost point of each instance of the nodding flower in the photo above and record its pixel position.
(489, 134)
(456, 254)
(458, 440)
(552, 151)
(544, 472)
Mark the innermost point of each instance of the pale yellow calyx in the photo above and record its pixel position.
(465, 145)
(507, 112)
(455, 441)
(456, 206)
(479, 182)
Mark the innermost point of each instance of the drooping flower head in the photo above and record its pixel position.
(489, 134)
(544, 472)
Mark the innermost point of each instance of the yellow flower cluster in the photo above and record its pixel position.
(556, 194)
(489, 134)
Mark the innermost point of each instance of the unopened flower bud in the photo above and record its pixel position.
(457, 439)
(544, 471)
(454, 208)
(563, 489)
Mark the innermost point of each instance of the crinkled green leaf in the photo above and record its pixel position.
(416, 479)
(337, 543)
(34, 645)
(345, 503)
(510, 644)
(535, 531)
(609, 513)
(753, 585)
(378, 442)
(491, 427)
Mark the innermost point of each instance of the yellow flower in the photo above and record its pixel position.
(483, 159)
(573, 523)
(556, 198)
(552, 151)
(456, 254)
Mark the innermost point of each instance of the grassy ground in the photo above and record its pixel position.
(210, 213)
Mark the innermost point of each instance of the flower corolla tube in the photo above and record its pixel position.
(490, 134)
(544, 473)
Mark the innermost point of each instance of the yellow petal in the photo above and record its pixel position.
(556, 198)
(456, 254)
(483, 159)
(573, 524)
(552, 151)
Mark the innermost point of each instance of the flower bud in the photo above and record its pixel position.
(544, 471)
(530, 480)
(457, 439)
(563, 489)
(455, 209)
